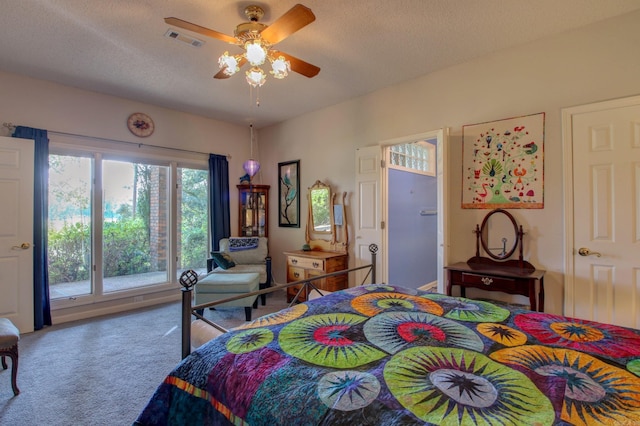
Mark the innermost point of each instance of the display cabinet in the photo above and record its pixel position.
(253, 210)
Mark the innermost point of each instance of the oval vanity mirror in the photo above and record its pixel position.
(499, 234)
(320, 205)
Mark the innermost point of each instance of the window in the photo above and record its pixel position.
(128, 242)
(417, 157)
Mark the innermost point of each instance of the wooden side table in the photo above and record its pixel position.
(492, 277)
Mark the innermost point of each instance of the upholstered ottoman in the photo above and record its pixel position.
(9, 336)
(216, 287)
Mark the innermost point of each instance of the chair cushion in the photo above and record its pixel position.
(9, 334)
(223, 259)
(228, 283)
(247, 257)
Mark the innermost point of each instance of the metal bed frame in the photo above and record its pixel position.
(189, 279)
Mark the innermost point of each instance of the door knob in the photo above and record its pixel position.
(583, 251)
(22, 246)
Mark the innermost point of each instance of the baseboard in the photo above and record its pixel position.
(59, 316)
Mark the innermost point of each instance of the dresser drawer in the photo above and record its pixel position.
(306, 263)
(295, 274)
(496, 283)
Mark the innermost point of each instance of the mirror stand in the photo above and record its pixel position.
(511, 237)
(500, 237)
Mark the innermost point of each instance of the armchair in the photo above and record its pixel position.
(246, 260)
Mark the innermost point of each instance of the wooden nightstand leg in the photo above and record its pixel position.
(532, 295)
(541, 296)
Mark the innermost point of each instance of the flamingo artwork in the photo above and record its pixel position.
(483, 193)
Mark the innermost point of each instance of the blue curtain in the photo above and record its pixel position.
(219, 199)
(41, 305)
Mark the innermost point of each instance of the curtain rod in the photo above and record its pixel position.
(11, 128)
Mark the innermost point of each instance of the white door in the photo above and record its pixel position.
(602, 141)
(368, 220)
(16, 231)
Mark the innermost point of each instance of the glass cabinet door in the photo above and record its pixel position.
(254, 210)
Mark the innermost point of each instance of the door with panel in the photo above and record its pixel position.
(603, 271)
(16, 231)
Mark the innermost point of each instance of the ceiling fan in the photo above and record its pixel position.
(257, 39)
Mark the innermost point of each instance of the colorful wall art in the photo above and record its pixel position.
(503, 164)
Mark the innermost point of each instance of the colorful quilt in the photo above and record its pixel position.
(385, 355)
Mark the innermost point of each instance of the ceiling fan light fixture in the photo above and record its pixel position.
(256, 77)
(280, 67)
(256, 40)
(255, 52)
(229, 64)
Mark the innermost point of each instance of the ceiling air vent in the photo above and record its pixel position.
(171, 33)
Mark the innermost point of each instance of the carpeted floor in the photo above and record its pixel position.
(104, 370)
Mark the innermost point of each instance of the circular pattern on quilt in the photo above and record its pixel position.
(595, 392)
(634, 366)
(374, 303)
(459, 308)
(249, 340)
(279, 317)
(582, 335)
(348, 390)
(331, 340)
(502, 334)
(458, 386)
(395, 331)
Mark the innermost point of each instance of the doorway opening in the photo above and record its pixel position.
(412, 212)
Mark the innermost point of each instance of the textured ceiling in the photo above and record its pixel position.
(118, 47)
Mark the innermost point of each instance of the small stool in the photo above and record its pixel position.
(216, 287)
(9, 336)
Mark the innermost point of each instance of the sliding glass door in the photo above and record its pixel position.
(70, 226)
(134, 225)
(128, 242)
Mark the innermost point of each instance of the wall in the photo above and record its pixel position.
(591, 64)
(412, 241)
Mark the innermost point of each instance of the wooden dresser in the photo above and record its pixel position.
(305, 264)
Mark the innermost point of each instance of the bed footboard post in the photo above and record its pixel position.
(373, 249)
(186, 322)
(188, 279)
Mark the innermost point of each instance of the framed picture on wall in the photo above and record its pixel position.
(503, 164)
(289, 194)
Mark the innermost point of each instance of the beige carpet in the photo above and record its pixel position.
(101, 371)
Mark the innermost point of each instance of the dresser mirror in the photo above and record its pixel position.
(499, 234)
(326, 223)
(320, 196)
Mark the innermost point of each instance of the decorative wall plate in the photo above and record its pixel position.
(140, 124)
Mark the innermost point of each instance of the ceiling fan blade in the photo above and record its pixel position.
(177, 22)
(298, 65)
(221, 75)
(296, 18)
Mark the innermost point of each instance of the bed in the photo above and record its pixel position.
(387, 355)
